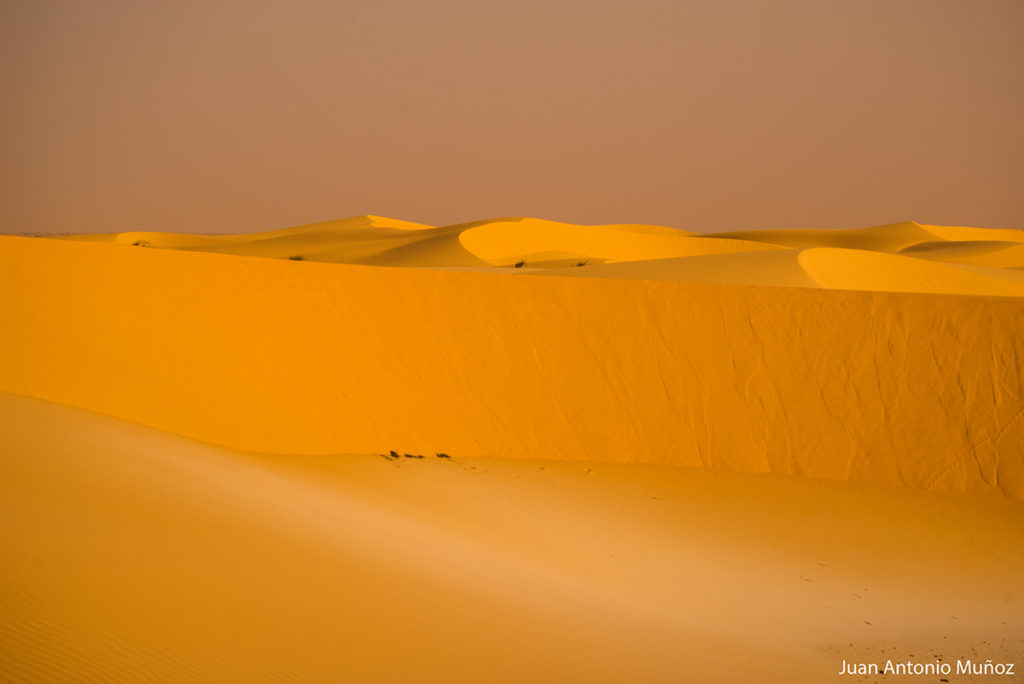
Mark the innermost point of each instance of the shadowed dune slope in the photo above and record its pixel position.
(991, 253)
(780, 268)
(887, 238)
(272, 355)
(892, 237)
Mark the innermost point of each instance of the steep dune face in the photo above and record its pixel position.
(271, 355)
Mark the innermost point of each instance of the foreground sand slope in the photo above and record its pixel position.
(280, 356)
(127, 554)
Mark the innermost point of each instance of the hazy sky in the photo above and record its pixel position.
(712, 115)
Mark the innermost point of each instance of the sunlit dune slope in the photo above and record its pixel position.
(923, 390)
(990, 253)
(533, 241)
(131, 555)
(854, 269)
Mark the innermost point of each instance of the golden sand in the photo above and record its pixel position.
(872, 372)
(133, 555)
(849, 406)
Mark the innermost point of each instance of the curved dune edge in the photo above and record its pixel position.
(533, 240)
(853, 269)
(640, 252)
(774, 268)
(134, 555)
(995, 254)
(269, 355)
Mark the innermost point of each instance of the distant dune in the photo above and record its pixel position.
(832, 354)
(783, 257)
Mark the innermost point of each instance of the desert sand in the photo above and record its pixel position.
(669, 456)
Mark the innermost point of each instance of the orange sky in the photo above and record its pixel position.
(713, 115)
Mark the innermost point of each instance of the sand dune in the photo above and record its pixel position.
(290, 357)
(991, 253)
(642, 252)
(887, 238)
(855, 269)
(533, 241)
(671, 457)
(133, 555)
(771, 268)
